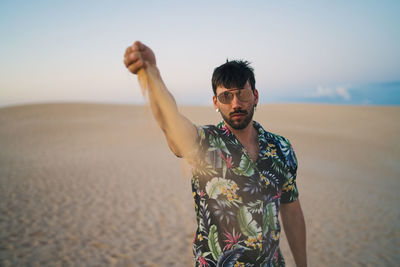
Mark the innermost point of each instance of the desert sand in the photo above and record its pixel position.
(96, 185)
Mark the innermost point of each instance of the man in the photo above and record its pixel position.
(243, 176)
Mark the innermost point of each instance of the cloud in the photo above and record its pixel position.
(342, 92)
(339, 91)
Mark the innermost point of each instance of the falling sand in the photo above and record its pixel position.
(95, 185)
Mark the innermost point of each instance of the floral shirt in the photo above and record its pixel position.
(237, 200)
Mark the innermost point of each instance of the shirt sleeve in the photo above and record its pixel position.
(201, 144)
(289, 189)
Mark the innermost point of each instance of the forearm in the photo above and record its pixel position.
(178, 129)
(162, 103)
(295, 230)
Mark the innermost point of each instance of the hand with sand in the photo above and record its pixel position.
(140, 60)
(179, 131)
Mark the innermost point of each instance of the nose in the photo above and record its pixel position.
(236, 103)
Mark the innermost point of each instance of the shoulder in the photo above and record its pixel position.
(278, 139)
(284, 148)
(203, 130)
(272, 137)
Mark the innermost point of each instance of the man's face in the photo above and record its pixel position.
(238, 113)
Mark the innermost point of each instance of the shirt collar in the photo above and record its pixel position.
(261, 132)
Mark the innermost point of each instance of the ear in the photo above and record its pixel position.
(215, 102)
(255, 96)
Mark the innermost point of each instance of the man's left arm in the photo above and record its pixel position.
(295, 230)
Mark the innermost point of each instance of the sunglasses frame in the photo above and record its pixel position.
(237, 93)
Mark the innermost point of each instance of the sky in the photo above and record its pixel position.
(343, 52)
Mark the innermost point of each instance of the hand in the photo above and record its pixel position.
(138, 56)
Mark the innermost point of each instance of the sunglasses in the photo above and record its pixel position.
(244, 95)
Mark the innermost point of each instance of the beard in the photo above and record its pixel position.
(241, 123)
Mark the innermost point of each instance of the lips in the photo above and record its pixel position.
(238, 114)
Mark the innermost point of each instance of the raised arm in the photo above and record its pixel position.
(179, 131)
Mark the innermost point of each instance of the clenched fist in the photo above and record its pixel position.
(139, 56)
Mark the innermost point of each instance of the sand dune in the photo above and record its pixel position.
(95, 185)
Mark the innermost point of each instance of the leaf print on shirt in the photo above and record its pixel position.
(214, 187)
(278, 166)
(203, 168)
(237, 200)
(269, 218)
(204, 217)
(246, 167)
(254, 185)
(284, 145)
(200, 133)
(256, 207)
(247, 225)
(287, 151)
(269, 178)
(224, 214)
(229, 258)
(213, 243)
(217, 143)
(234, 142)
(290, 186)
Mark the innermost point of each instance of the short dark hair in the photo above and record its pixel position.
(233, 74)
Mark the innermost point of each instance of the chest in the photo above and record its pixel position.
(253, 149)
(255, 177)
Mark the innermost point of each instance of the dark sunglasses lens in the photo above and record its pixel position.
(225, 97)
(244, 95)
